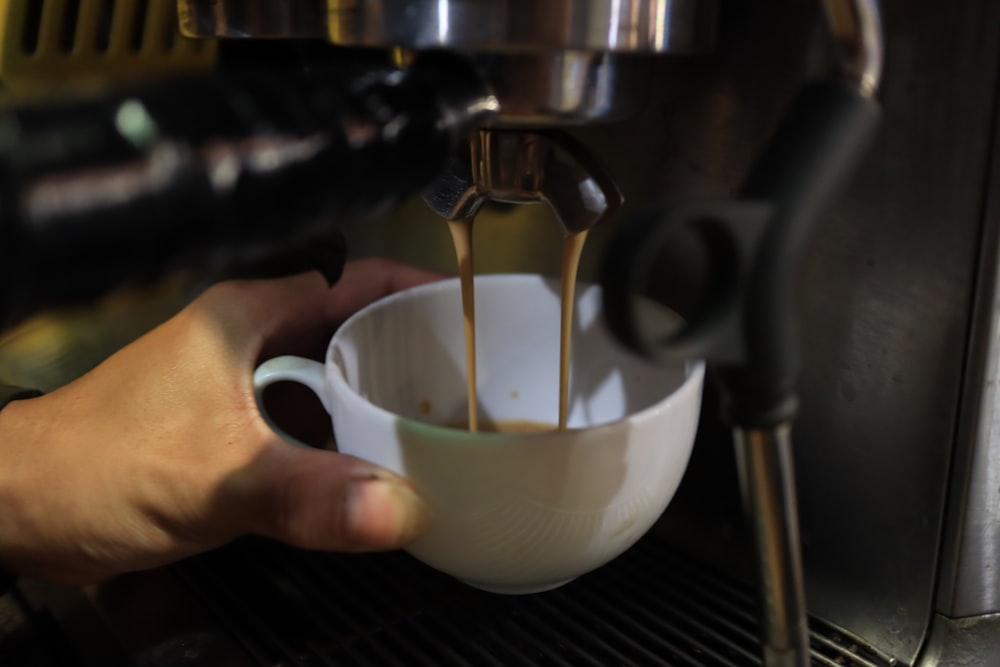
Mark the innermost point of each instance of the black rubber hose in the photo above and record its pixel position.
(813, 153)
(737, 288)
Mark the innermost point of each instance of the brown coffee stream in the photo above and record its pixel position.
(571, 251)
(461, 234)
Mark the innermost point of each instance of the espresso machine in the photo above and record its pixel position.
(845, 275)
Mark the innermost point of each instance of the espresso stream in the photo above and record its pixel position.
(461, 234)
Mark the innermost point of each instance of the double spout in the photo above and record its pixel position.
(521, 167)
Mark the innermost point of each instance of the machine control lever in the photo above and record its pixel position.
(210, 173)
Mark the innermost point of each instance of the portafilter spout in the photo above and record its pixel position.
(520, 167)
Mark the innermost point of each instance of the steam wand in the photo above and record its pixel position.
(743, 320)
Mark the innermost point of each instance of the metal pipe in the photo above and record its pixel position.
(856, 29)
(764, 455)
(767, 481)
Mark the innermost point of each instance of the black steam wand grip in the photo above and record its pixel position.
(214, 173)
(813, 153)
(748, 251)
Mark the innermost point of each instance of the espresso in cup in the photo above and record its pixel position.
(527, 508)
(507, 426)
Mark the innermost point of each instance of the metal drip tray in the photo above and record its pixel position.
(286, 607)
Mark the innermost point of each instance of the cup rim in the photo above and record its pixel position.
(694, 369)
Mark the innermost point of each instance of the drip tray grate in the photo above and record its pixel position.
(649, 607)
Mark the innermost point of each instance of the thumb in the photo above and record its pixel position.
(318, 499)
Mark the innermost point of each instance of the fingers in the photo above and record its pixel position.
(297, 314)
(317, 499)
(302, 304)
(367, 280)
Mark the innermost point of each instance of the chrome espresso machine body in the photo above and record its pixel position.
(872, 323)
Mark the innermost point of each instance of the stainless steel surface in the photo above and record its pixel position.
(555, 62)
(970, 559)
(963, 642)
(537, 88)
(767, 481)
(560, 61)
(526, 168)
(856, 29)
(676, 26)
(253, 18)
(565, 87)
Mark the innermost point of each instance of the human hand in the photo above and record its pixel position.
(161, 451)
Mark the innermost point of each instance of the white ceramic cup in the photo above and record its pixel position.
(511, 513)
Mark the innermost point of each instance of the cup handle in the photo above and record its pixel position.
(289, 368)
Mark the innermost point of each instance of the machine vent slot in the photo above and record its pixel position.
(138, 37)
(32, 28)
(69, 24)
(651, 607)
(170, 35)
(66, 35)
(105, 22)
(47, 44)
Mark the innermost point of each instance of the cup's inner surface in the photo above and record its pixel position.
(406, 354)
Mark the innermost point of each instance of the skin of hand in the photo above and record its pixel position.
(161, 452)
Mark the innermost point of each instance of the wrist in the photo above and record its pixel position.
(9, 393)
